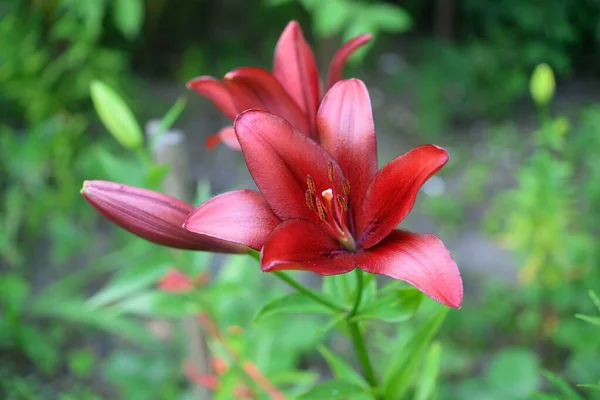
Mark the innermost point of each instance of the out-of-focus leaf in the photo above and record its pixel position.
(397, 306)
(520, 367)
(404, 360)
(81, 361)
(588, 318)
(13, 292)
(568, 392)
(542, 85)
(341, 369)
(116, 116)
(329, 17)
(156, 303)
(388, 17)
(294, 303)
(429, 375)
(590, 386)
(336, 389)
(128, 17)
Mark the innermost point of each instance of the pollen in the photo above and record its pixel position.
(346, 187)
(330, 174)
(342, 202)
(309, 200)
(311, 185)
(320, 210)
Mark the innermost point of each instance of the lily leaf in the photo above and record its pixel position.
(335, 389)
(341, 369)
(590, 386)
(396, 306)
(429, 375)
(294, 303)
(568, 392)
(405, 359)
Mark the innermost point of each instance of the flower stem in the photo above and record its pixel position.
(357, 339)
(316, 296)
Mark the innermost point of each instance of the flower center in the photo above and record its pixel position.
(332, 208)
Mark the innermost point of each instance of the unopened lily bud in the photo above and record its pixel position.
(152, 216)
(542, 84)
(175, 281)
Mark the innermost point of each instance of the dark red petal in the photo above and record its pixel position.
(346, 131)
(295, 67)
(336, 68)
(226, 136)
(150, 215)
(240, 216)
(419, 259)
(392, 193)
(258, 88)
(212, 89)
(279, 158)
(301, 245)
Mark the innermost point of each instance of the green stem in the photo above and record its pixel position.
(357, 339)
(316, 296)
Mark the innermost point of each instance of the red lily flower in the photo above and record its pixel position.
(293, 91)
(159, 218)
(337, 211)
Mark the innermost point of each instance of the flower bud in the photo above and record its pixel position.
(175, 281)
(153, 216)
(542, 85)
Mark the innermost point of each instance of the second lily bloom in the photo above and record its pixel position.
(292, 91)
(324, 206)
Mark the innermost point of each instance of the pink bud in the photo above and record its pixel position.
(175, 281)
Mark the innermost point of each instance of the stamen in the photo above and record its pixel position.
(330, 171)
(342, 202)
(320, 210)
(346, 187)
(309, 200)
(311, 185)
(327, 194)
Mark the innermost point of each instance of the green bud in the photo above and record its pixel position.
(542, 84)
(116, 116)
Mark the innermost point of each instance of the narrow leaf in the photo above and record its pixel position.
(128, 17)
(562, 386)
(341, 369)
(116, 115)
(396, 306)
(405, 360)
(430, 373)
(588, 318)
(336, 389)
(295, 303)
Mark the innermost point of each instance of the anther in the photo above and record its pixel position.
(342, 202)
(330, 171)
(311, 185)
(346, 187)
(309, 200)
(320, 210)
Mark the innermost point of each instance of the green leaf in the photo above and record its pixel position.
(295, 303)
(128, 17)
(332, 390)
(116, 115)
(429, 375)
(589, 386)
(329, 17)
(518, 366)
(595, 299)
(156, 303)
(562, 385)
(404, 360)
(542, 85)
(341, 369)
(588, 318)
(81, 362)
(14, 290)
(396, 306)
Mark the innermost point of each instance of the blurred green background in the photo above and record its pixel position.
(518, 204)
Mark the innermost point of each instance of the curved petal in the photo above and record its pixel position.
(153, 216)
(295, 67)
(212, 89)
(225, 136)
(258, 88)
(301, 245)
(346, 131)
(240, 216)
(336, 68)
(393, 191)
(419, 259)
(279, 159)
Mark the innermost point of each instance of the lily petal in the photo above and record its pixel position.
(347, 132)
(212, 89)
(240, 216)
(393, 191)
(300, 245)
(295, 67)
(226, 136)
(279, 159)
(336, 68)
(419, 259)
(150, 215)
(258, 88)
